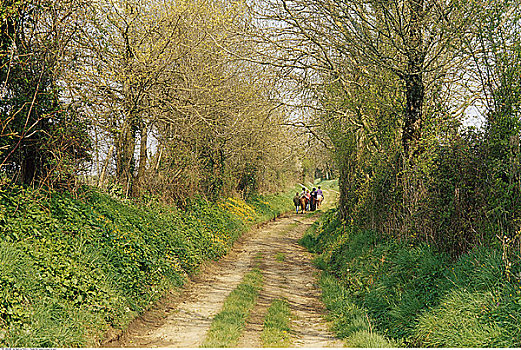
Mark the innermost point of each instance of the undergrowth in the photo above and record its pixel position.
(385, 292)
(71, 268)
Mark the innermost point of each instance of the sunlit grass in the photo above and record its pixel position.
(73, 268)
(276, 331)
(383, 292)
(229, 323)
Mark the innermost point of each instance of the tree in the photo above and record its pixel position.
(411, 39)
(158, 76)
(33, 35)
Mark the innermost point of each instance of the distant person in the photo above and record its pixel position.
(296, 201)
(320, 197)
(308, 199)
(313, 203)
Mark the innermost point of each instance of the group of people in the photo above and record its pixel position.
(307, 200)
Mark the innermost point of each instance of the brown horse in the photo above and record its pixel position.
(303, 203)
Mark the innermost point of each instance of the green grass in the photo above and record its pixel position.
(309, 214)
(462, 320)
(327, 184)
(350, 321)
(228, 324)
(72, 267)
(383, 291)
(276, 330)
(281, 257)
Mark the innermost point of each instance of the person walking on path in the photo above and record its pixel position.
(296, 201)
(308, 199)
(320, 197)
(313, 203)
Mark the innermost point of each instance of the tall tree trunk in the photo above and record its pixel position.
(125, 155)
(345, 183)
(29, 166)
(138, 183)
(414, 79)
(101, 180)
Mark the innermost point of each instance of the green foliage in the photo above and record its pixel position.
(40, 139)
(276, 330)
(460, 187)
(269, 206)
(413, 294)
(95, 262)
(465, 319)
(229, 323)
(350, 322)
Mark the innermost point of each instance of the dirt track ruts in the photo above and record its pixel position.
(182, 320)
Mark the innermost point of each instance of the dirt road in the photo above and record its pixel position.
(182, 320)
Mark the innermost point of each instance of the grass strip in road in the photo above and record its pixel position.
(276, 331)
(229, 323)
(280, 257)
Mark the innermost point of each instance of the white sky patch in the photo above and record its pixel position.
(474, 117)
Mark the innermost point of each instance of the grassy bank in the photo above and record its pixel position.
(385, 292)
(71, 268)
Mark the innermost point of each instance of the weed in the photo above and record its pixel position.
(281, 257)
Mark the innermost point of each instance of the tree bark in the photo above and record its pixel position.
(101, 180)
(414, 87)
(138, 183)
(125, 156)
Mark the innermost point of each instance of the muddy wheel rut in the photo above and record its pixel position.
(182, 320)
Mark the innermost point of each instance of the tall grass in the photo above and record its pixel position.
(413, 295)
(350, 322)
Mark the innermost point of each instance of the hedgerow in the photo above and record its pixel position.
(71, 268)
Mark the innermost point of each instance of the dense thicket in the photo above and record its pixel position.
(39, 136)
